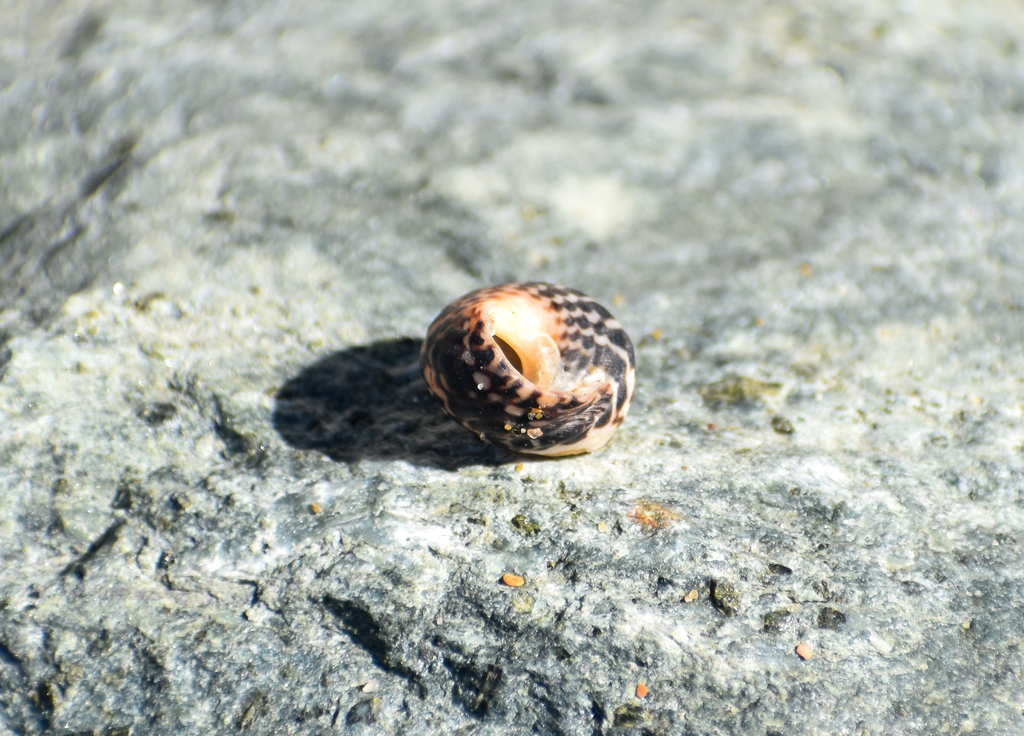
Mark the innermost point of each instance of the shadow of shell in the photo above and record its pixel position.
(370, 402)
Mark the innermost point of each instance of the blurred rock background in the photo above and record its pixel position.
(227, 503)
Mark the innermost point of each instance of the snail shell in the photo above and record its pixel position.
(534, 368)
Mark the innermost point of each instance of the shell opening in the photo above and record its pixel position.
(510, 354)
(520, 331)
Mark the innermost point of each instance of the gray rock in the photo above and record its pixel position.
(229, 504)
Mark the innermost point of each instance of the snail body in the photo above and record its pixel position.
(534, 368)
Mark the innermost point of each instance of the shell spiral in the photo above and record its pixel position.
(535, 368)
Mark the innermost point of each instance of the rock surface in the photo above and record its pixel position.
(228, 504)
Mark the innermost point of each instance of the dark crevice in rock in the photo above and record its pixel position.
(234, 441)
(8, 657)
(61, 247)
(366, 632)
(157, 414)
(476, 686)
(39, 265)
(243, 445)
(95, 179)
(33, 715)
(104, 540)
(82, 36)
(599, 714)
(5, 353)
(254, 704)
(365, 711)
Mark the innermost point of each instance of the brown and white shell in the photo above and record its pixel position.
(534, 368)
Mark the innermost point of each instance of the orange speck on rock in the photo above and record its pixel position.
(315, 508)
(805, 269)
(804, 651)
(512, 581)
(519, 467)
(641, 690)
(691, 596)
(652, 515)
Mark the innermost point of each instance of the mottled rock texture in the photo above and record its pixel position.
(228, 504)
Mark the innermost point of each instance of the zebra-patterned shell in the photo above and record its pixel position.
(534, 368)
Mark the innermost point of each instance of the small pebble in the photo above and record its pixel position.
(371, 687)
(726, 597)
(602, 526)
(315, 508)
(512, 581)
(641, 690)
(691, 596)
(782, 425)
(804, 651)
